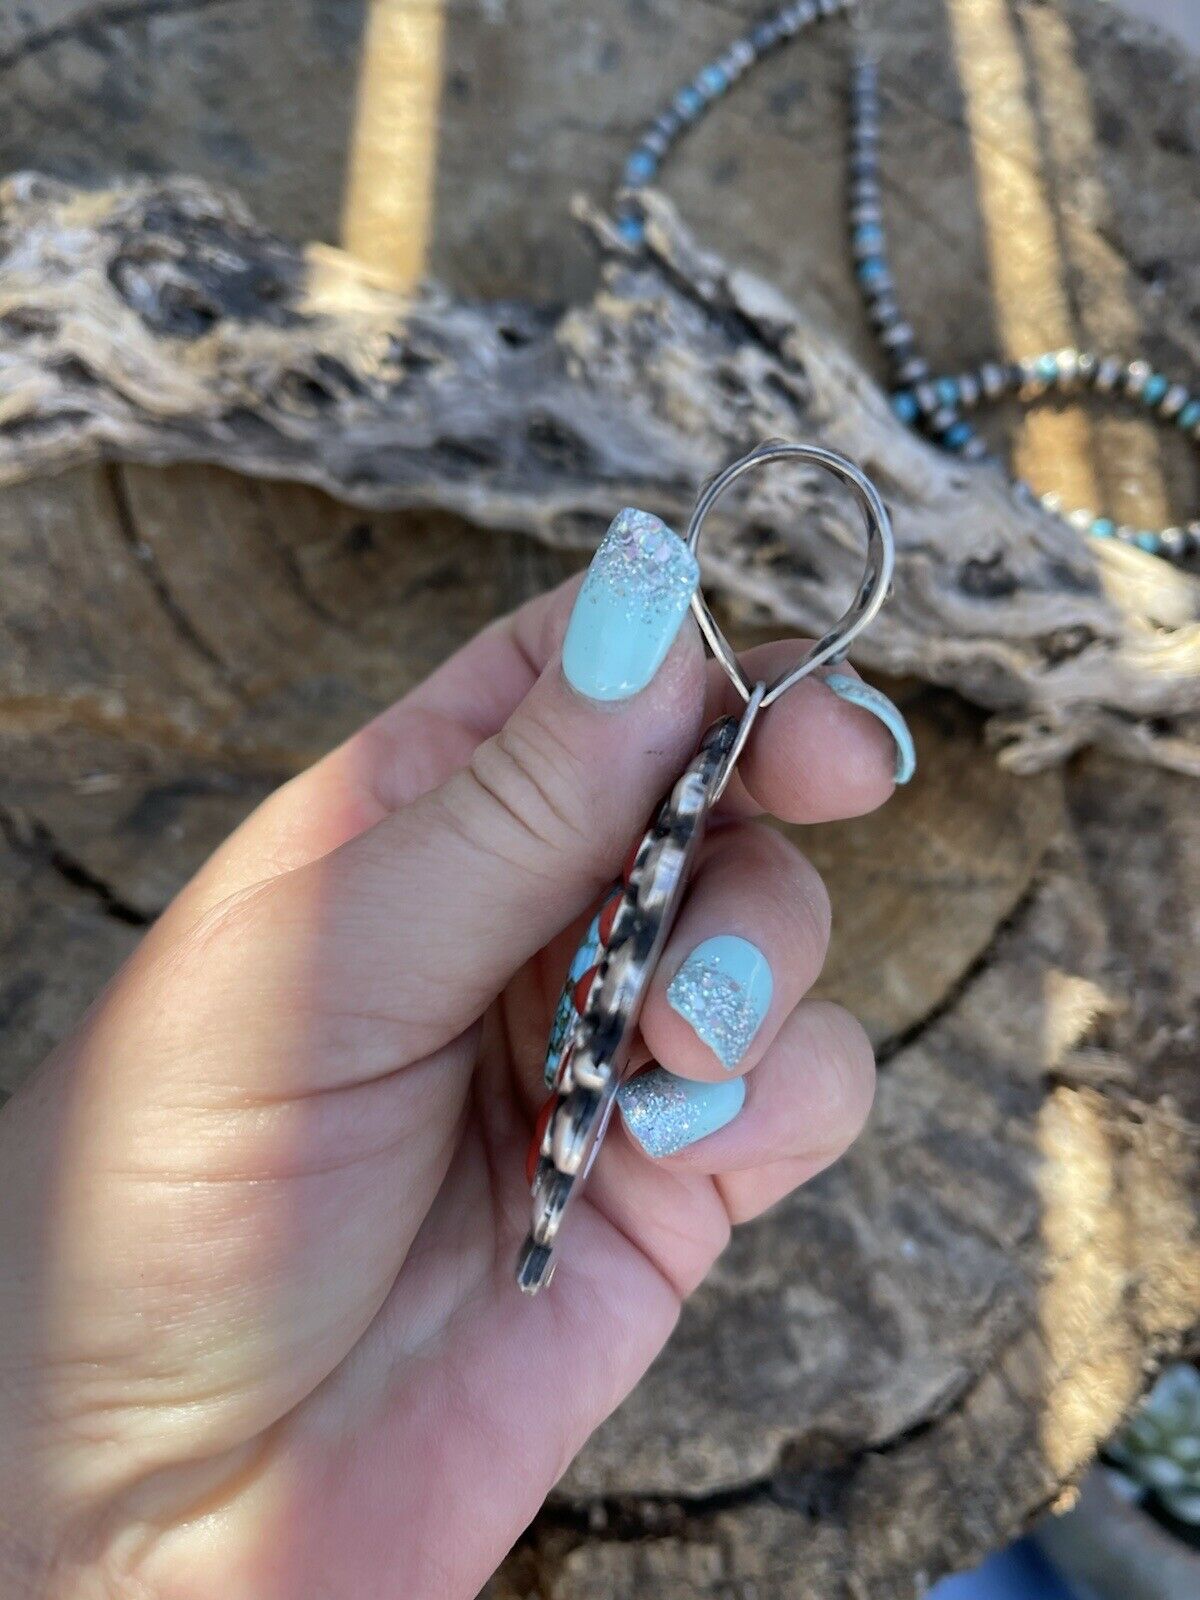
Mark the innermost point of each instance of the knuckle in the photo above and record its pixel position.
(532, 791)
(813, 909)
(801, 896)
(850, 1069)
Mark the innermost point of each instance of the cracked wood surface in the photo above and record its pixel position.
(932, 1338)
(902, 1366)
(160, 323)
(138, 730)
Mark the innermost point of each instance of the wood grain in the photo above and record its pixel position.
(906, 1363)
(160, 323)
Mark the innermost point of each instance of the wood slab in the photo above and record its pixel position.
(905, 1364)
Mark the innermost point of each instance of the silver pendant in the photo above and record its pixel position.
(595, 1024)
(593, 1060)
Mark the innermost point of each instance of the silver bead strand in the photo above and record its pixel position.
(936, 405)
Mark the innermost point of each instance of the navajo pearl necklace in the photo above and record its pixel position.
(935, 404)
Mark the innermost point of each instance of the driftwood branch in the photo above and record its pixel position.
(159, 323)
(907, 1362)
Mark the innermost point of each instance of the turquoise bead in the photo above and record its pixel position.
(1153, 389)
(1103, 528)
(957, 435)
(640, 167)
(868, 237)
(632, 229)
(1190, 415)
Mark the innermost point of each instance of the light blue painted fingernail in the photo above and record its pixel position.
(664, 1113)
(630, 608)
(862, 694)
(724, 990)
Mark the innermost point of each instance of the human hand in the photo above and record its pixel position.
(259, 1334)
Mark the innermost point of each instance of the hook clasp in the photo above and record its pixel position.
(872, 590)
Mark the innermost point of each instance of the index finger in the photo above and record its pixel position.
(812, 759)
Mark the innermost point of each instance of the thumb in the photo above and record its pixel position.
(435, 907)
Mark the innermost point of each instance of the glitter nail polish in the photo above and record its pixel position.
(632, 603)
(724, 990)
(665, 1113)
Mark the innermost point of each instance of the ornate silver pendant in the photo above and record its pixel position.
(598, 1013)
(596, 1021)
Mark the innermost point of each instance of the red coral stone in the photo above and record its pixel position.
(608, 915)
(579, 995)
(533, 1154)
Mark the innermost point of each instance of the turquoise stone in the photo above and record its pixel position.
(1153, 389)
(957, 435)
(868, 237)
(565, 1014)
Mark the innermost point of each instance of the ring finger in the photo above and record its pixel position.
(763, 1134)
(749, 943)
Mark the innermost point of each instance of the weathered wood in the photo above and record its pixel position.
(159, 323)
(906, 1362)
(176, 644)
(153, 695)
(1032, 207)
(900, 1367)
(931, 1339)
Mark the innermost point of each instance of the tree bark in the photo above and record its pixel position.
(906, 1363)
(159, 323)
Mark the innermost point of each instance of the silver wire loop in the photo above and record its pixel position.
(872, 591)
(749, 717)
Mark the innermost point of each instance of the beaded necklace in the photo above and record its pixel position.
(934, 404)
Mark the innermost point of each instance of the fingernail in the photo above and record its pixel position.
(861, 694)
(724, 990)
(630, 608)
(664, 1113)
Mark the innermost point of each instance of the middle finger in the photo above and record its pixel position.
(750, 941)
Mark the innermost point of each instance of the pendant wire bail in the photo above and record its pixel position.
(872, 590)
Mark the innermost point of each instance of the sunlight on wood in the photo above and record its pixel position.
(338, 284)
(1153, 595)
(1084, 1233)
(1119, 1239)
(1162, 1219)
(387, 212)
(1033, 313)
(1127, 451)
